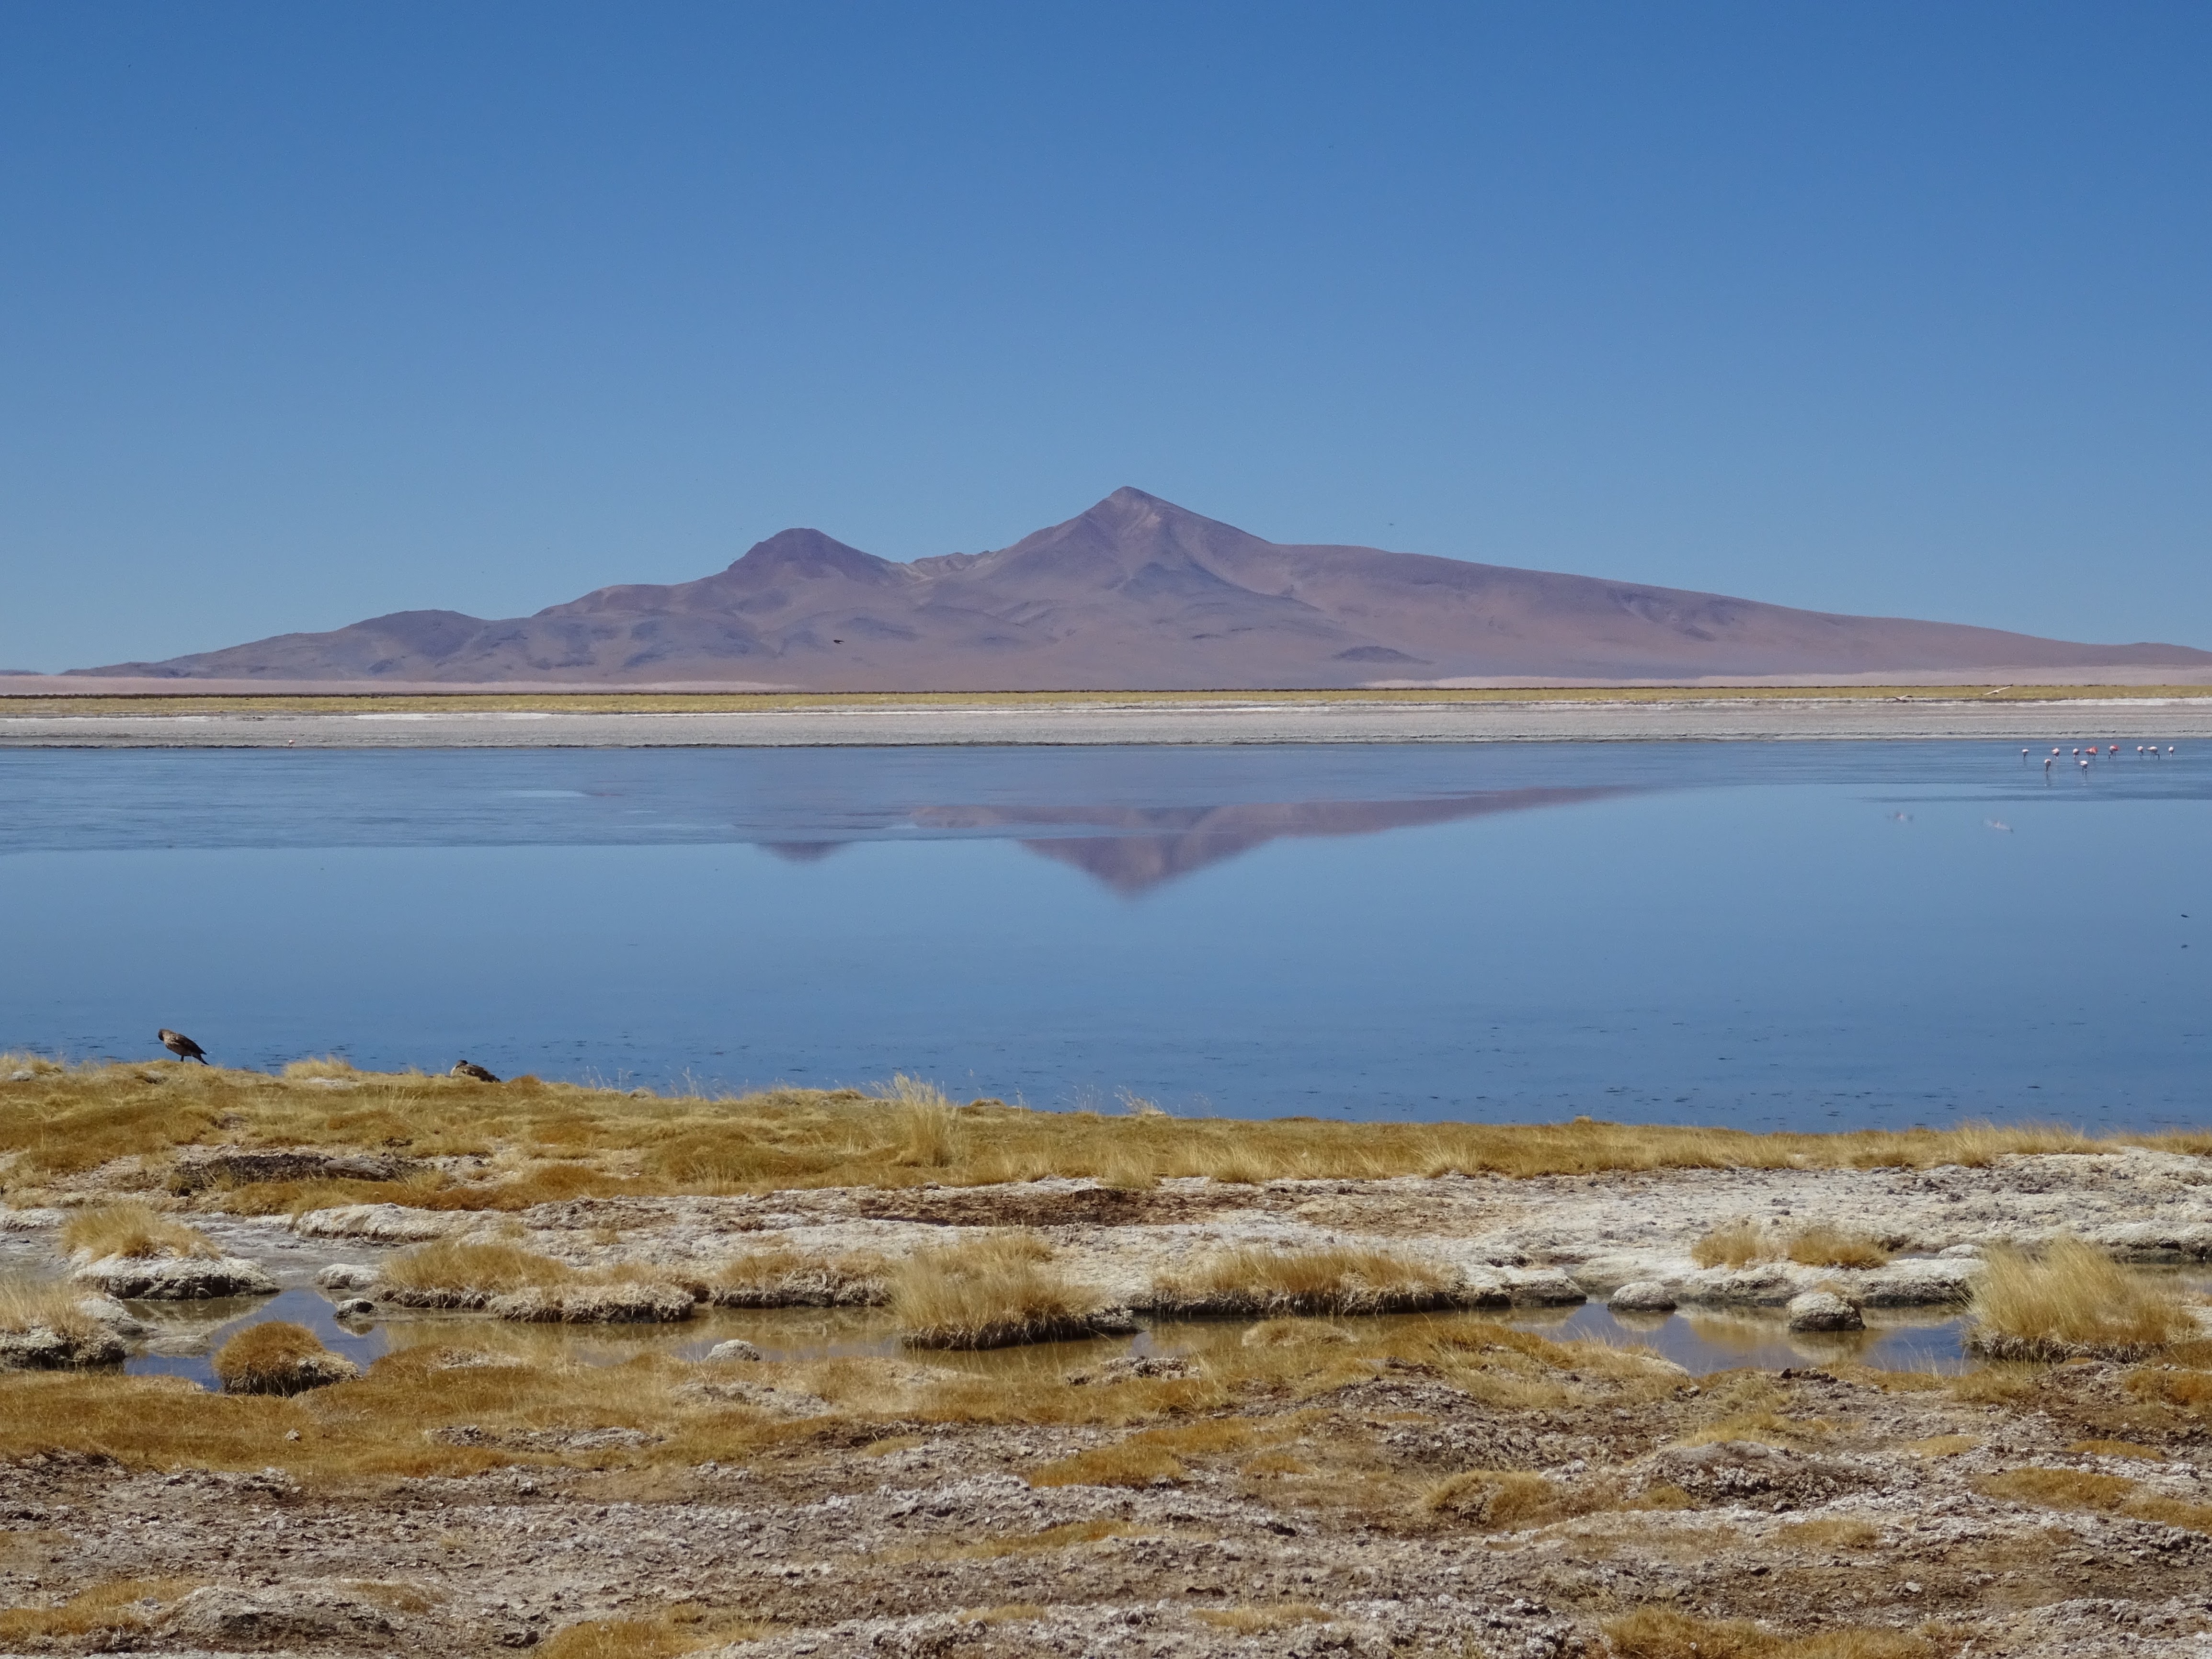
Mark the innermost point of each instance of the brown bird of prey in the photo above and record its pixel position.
(470, 1068)
(181, 1046)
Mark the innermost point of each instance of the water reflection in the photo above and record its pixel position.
(1146, 845)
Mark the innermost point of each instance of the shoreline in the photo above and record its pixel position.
(1590, 718)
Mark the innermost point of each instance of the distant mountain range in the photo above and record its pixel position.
(1136, 594)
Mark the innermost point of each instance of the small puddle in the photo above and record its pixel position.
(180, 1338)
(183, 1336)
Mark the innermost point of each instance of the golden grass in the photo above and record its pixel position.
(1825, 1246)
(517, 1284)
(783, 1278)
(1831, 1534)
(990, 1292)
(1941, 1445)
(929, 1123)
(2117, 1448)
(47, 1307)
(121, 1608)
(1659, 1633)
(135, 1230)
(1500, 1500)
(2072, 1300)
(1259, 1619)
(550, 1142)
(277, 1357)
(445, 1274)
(1335, 1279)
(684, 1629)
(1732, 1244)
(2104, 1494)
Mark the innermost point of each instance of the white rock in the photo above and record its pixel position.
(1643, 1296)
(736, 1348)
(346, 1276)
(41, 1349)
(1824, 1310)
(1542, 1285)
(1916, 1282)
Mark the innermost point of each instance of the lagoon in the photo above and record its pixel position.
(1806, 935)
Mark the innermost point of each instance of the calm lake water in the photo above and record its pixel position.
(1813, 934)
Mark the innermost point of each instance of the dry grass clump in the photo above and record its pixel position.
(133, 1231)
(2104, 1494)
(26, 1307)
(1152, 1458)
(445, 1273)
(328, 1065)
(788, 1279)
(1825, 1246)
(1734, 1244)
(1259, 1620)
(1336, 1280)
(1659, 1633)
(277, 1357)
(121, 1608)
(989, 1293)
(1829, 1533)
(1500, 1500)
(684, 1629)
(929, 1121)
(2071, 1302)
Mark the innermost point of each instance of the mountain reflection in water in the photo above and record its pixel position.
(1147, 846)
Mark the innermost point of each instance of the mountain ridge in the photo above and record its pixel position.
(1136, 593)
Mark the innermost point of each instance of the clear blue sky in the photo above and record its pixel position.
(310, 313)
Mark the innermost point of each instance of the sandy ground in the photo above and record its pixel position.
(2121, 720)
(1858, 1502)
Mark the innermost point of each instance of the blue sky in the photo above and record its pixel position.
(308, 314)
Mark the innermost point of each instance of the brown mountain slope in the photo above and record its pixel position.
(1135, 594)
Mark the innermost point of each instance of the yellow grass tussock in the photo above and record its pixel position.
(685, 1628)
(1258, 1620)
(1740, 1243)
(989, 1292)
(47, 1307)
(277, 1357)
(2105, 1494)
(1733, 1244)
(1659, 1633)
(1335, 1279)
(468, 1274)
(1499, 1500)
(132, 1230)
(1825, 1246)
(102, 1614)
(2072, 1301)
(783, 1278)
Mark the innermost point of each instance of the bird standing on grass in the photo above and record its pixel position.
(182, 1046)
(470, 1068)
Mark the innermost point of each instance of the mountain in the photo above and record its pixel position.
(1137, 593)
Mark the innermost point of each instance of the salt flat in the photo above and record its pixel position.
(1230, 721)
